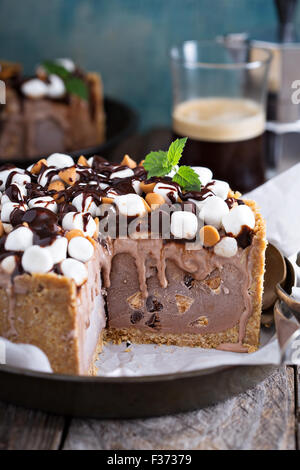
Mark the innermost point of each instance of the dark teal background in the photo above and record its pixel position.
(126, 40)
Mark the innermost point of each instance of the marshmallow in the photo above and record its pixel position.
(43, 178)
(167, 191)
(7, 228)
(122, 174)
(46, 202)
(103, 185)
(173, 171)
(75, 270)
(112, 194)
(136, 184)
(8, 208)
(20, 179)
(22, 192)
(90, 161)
(34, 88)
(220, 188)
(67, 64)
(236, 218)
(213, 211)
(36, 260)
(201, 204)
(205, 174)
(4, 175)
(58, 249)
(85, 204)
(130, 205)
(8, 264)
(56, 88)
(19, 239)
(81, 221)
(80, 248)
(184, 224)
(60, 160)
(226, 247)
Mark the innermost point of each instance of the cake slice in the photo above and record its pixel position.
(95, 250)
(60, 109)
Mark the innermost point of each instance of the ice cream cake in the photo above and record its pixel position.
(150, 253)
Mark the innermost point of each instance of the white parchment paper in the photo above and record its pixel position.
(279, 200)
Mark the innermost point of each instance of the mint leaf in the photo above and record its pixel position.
(74, 85)
(156, 164)
(187, 178)
(56, 69)
(175, 151)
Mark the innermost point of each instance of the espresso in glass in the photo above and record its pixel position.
(226, 135)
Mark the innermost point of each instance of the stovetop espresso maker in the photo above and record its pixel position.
(283, 97)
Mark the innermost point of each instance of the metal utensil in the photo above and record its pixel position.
(275, 274)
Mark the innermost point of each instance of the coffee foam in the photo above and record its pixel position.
(219, 119)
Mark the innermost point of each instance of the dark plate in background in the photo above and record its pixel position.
(121, 122)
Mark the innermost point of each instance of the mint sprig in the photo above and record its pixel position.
(187, 178)
(74, 85)
(161, 163)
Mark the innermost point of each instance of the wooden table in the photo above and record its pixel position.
(265, 417)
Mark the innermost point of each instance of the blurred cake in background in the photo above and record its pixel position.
(60, 109)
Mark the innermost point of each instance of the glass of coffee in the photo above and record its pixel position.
(219, 98)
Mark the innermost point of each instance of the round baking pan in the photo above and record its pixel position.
(132, 397)
(121, 122)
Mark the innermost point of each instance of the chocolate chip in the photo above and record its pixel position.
(136, 316)
(153, 305)
(188, 280)
(154, 321)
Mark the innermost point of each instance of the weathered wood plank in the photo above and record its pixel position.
(22, 429)
(262, 418)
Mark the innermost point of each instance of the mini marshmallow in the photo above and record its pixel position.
(8, 208)
(103, 185)
(34, 88)
(236, 218)
(167, 191)
(220, 188)
(22, 193)
(130, 205)
(136, 184)
(46, 202)
(58, 249)
(56, 88)
(8, 264)
(90, 161)
(173, 171)
(19, 239)
(202, 203)
(5, 174)
(85, 204)
(81, 249)
(126, 173)
(205, 174)
(226, 247)
(43, 178)
(81, 221)
(60, 160)
(112, 194)
(67, 64)
(75, 270)
(7, 227)
(213, 211)
(21, 179)
(184, 224)
(36, 260)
